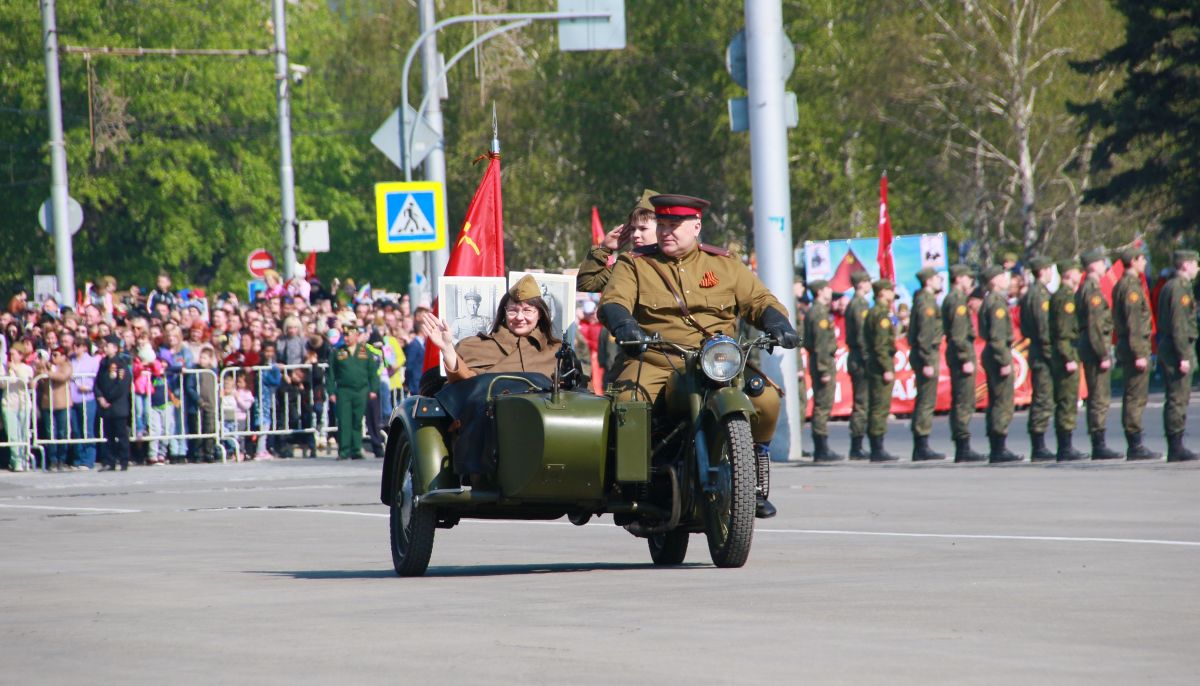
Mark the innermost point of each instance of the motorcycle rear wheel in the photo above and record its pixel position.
(668, 549)
(729, 509)
(412, 527)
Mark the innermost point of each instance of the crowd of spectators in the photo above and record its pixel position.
(265, 360)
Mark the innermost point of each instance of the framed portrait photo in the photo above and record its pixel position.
(558, 290)
(468, 303)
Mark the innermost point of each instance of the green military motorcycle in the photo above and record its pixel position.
(520, 446)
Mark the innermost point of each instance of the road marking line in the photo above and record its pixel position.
(308, 509)
(115, 510)
(985, 537)
(820, 532)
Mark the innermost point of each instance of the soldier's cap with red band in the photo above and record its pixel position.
(678, 206)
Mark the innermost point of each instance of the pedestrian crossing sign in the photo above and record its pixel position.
(410, 216)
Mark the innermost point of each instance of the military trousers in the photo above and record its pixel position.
(351, 408)
(1178, 394)
(1099, 389)
(822, 400)
(880, 404)
(1042, 408)
(1000, 399)
(926, 402)
(645, 380)
(962, 402)
(1066, 396)
(860, 382)
(1137, 390)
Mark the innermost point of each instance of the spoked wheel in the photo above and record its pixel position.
(729, 509)
(668, 549)
(412, 527)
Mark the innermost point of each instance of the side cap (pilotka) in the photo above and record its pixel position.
(525, 288)
(1090, 256)
(1129, 254)
(1065, 266)
(817, 285)
(1182, 256)
(859, 277)
(883, 285)
(1039, 262)
(678, 206)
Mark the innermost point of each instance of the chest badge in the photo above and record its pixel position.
(1133, 297)
(1046, 306)
(824, 323)
(709, 280)
(1001, 313)
(929, 312)
(1069, 308)
(885, 323)
(1185, 300)
(961, 310)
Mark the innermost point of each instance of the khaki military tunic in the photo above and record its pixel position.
(996, 330)
(504, 351)
(925, 345)
(1095, 339)
(353, 376)
(1064, 341)
(960, 349)
(717, 289)
(1131, 322)
(880, 359)
(1176, 342)
(820, 340)
(856, 317)
(1035, 325)
(594, 271)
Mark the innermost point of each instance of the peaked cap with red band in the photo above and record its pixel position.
(678, 206)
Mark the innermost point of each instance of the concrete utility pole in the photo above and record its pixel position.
(435, 163)
(64, 260)
(772, 199)
(287, 184)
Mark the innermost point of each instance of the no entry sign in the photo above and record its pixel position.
(258, 262)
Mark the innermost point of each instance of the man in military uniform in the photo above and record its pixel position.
(856, 317)
(1064, 359)
(637, 231)
(1131, 321)
(995, 328)
(925, 356)
(472, 322)
(1177, 337)
(1095, 338)
(353, 378)
(821, 343)
(1035, 325)
(686, 291)
(880, 338)
(960, 358)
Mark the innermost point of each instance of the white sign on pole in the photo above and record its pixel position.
(314, 236)
(74, 215)
(603, 33)
(44, 286)
(387, 138)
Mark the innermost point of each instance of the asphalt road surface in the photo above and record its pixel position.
(279, 572)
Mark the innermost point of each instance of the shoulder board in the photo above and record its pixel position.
(644, 250)
(714, 250)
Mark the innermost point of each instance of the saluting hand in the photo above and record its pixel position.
(612, 239)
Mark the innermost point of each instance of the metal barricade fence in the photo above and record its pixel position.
(16, 403)
(285, 403)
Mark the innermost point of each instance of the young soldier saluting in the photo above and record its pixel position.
(1064, 359)
(821, 343)
(925, 343)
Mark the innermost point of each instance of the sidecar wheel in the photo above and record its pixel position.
(668, 549)
(412, 527)
(729, 510)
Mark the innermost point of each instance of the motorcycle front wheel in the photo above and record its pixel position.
(729, 507)
(412, 527)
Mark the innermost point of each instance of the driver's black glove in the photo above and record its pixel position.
(624, 328)
(777, 325)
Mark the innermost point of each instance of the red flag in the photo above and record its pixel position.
(479, 250)
(887, 266)
(310, 265)
(597, 228)
(845, 269)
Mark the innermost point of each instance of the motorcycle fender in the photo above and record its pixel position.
(421, 419)
(726, 401)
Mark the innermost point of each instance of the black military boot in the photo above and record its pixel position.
(1040, 452)
(963, 452)
(1138, 451)
(1176, 452)
(763, 509)
(821, 451)
(922, 452)
(878, 454)
(1100, 451)
(856, 449)
(999, 453)
(1067, 452)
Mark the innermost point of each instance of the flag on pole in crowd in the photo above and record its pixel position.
(310, 265)
(479, 250)
(597, 228)
(887, 266)
(363, 293)
(840, 281)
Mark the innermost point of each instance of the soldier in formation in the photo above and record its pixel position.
(1035, 326)
(820, 340)
(856, 361)
(1177, 350)
(1095, 337)
(1064, 359)
(880, 339)
(925, 345)
(1132, 323)
(960, 359)
(995, 328)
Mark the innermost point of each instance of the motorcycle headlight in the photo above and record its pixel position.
(721, 358)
